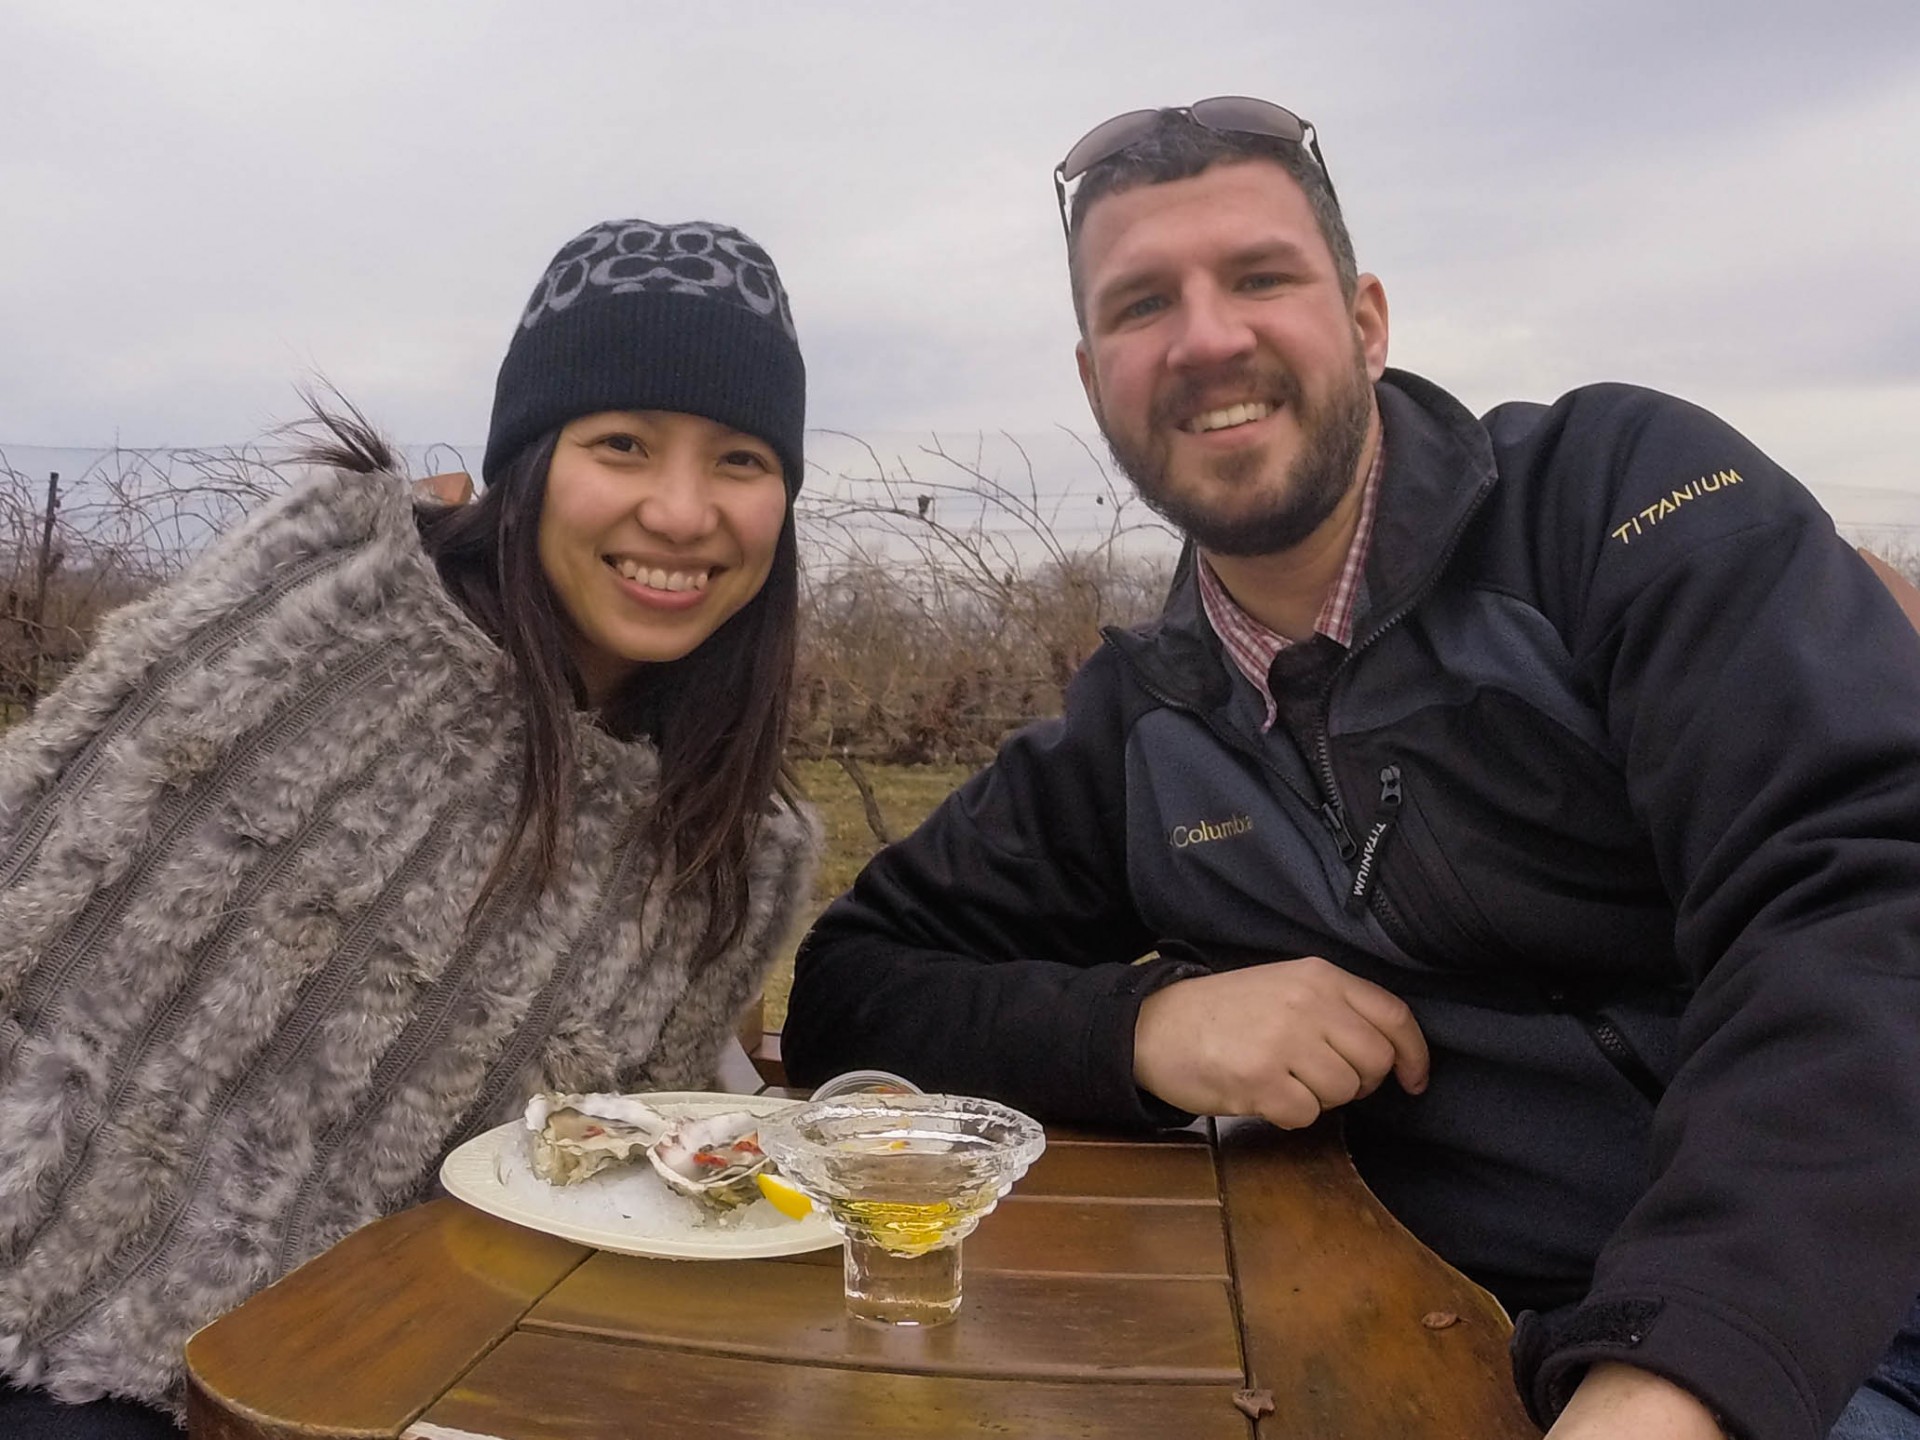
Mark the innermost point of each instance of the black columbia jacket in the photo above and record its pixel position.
(1618, 786)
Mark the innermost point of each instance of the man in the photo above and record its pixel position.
(1543, 791)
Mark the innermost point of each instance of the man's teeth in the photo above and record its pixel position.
(1231, 415)
(658, 579)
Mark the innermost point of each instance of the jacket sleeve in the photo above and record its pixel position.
(989, 952)
(1763, 693)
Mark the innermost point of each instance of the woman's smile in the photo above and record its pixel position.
(646, 579)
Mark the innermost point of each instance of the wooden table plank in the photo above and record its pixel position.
(1194, 1134)
(548, 1387)
(1119, 1330)
(363, 1338)
(1326, 1276)
(1116, 1170)
(1044, 1236)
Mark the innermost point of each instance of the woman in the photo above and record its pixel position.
(378, 820)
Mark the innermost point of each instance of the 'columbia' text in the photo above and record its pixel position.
(1181, 836)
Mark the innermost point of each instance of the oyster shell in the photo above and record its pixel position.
(712, 1159)
(577, 1136)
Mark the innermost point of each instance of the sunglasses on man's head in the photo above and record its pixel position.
(1239, 114)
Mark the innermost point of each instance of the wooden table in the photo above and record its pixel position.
(1165, 1287)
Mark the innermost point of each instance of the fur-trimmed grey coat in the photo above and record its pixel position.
(242, 1008)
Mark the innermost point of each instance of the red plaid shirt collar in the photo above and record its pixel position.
(1250, 645)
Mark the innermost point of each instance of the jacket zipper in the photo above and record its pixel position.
(1382, 907)
(1332, 811)
(1373, 851)
(1336, 821)
(1620, 1053)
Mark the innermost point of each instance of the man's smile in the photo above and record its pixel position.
(1228, 417)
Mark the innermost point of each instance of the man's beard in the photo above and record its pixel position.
(1332, 438)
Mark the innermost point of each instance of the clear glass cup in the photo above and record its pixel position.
(904, 1179)
(866, 1082)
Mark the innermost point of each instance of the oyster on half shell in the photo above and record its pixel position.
(712, 1159)
(577, 1136)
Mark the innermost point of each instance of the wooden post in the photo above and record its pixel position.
(37, 630)
(46, 545)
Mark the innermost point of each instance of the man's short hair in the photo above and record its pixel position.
(1178, 148)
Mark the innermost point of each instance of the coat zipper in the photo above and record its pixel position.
(1382, 906)
(1620, 1053)
(1336, 821)
(1375, 846)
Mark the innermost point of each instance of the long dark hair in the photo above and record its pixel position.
(717, 715)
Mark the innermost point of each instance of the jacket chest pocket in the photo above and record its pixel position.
(1419, 897)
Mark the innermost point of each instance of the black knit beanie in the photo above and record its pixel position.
(633, 315)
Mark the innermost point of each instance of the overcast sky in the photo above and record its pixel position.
(206, 203)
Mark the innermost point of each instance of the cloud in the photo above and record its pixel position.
(210, 201)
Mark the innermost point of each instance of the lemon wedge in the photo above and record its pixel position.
(783, 1197)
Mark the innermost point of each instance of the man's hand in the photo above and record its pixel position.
(1286, 1041)
(1618, 1402)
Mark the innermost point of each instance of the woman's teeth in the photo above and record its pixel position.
(1229, 416)
(657, 579)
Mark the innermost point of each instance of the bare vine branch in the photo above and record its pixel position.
(944, 602)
